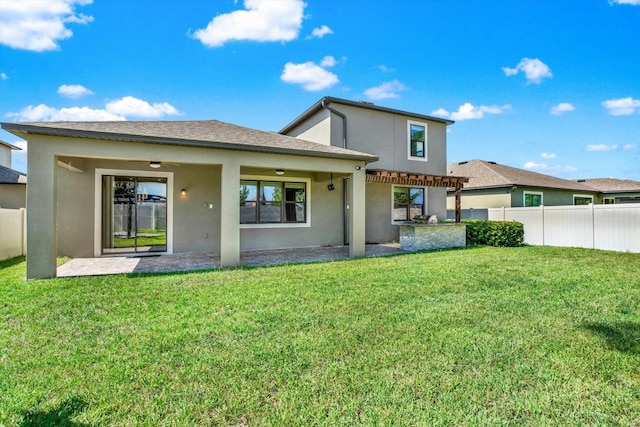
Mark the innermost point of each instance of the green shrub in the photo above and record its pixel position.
(494, 233)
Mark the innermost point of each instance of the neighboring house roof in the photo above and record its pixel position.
(483, 174)
(367, 105)
(10, 176)
(612, 185)
(201, 133)
(13, 147)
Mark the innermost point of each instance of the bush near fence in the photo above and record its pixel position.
(494, 233)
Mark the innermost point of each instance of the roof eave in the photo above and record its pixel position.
(329, 99)
(24, 129)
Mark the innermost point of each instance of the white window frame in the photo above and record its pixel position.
(584, 196)
(612, 200)
(426, 204)
(426, 141)
(533, 193)
(97, 230)
(307, 182)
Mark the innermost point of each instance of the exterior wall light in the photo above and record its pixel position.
(183, 191)
(358, 168)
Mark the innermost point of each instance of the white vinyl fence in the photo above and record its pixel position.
(13, 236)
(610, 227)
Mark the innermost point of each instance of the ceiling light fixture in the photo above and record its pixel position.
(279, 171)
(155, 165)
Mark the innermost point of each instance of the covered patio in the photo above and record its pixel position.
(168, 263)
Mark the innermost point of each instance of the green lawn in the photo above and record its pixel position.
(482, 336)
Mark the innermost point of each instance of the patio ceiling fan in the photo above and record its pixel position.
(154, 164)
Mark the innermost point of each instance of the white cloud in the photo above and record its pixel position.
(385, 69)
(548, 155)
(38, 25)
(548, 169)
(467, 111)
(74, 91)
(3, 76)
(631, 2)
(560, 109)
(320, 32)
(328, 61)
(262, 20)
(114, 111)
(628, 147)
(534, 69)
(44, 113)
(134, 107)
(385, 91)
(622, 106)
(601, 147)
(311, 76)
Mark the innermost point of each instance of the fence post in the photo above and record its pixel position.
(542, 213)
(593, 226)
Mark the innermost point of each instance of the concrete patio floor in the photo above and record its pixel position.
(190, 262)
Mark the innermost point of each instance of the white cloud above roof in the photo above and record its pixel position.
(328, 61)
(628, 147)
(38, 25)
(622, 106)
(320, 32)
(560, 109)
(548, 169)
(534, 69)
(118, 110)
(74, 91)
(630, 2)
(468, 111)
(386, 90)
(311, 76)
(261, 20)
(602, 147)
(548, 155)
(3, 76)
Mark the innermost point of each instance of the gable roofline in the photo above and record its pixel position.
(366, 105)
(13, 147)
(485, 175)
(202, 133)
(612, 185)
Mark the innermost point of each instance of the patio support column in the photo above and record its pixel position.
(357, 214)
(230, 215)
(42, 218)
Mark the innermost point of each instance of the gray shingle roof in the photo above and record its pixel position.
(483, 174)
(10, 176)
(200, 133)
(612, 185)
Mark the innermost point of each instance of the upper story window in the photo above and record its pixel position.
(407, 203)
(532, 199)
(417, 140)
(272, 202)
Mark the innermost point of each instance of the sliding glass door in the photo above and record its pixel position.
(134, 214)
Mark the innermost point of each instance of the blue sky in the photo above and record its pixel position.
(550, 86)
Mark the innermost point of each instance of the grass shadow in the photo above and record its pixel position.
(623, 337)
(11, 261)
(58, 416)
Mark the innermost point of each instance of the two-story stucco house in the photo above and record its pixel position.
(342, 172)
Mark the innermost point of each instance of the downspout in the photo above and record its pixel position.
(345, 195)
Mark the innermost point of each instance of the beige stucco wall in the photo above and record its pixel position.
(316, 128)
(62, 203)
(5, 156)
(13, 196)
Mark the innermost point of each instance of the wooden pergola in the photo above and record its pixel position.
(420, 180)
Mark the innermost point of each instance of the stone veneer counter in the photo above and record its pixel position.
(420, 237)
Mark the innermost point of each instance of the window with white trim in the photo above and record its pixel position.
(532, 199)
(582, 199)
(272, 202)
(408, 202)
(417, 140)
